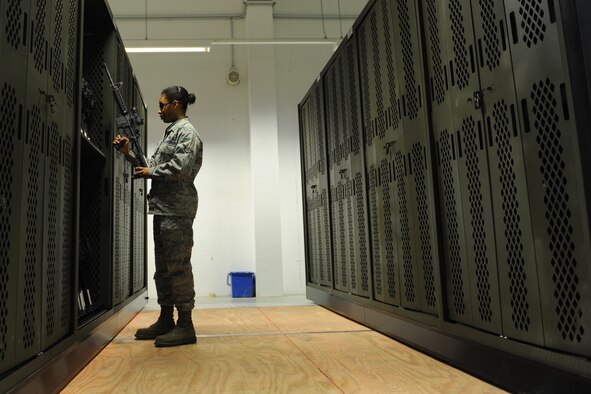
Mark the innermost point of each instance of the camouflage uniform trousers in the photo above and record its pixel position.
(173, 241)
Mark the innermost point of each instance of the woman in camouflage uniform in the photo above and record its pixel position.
(173, 202)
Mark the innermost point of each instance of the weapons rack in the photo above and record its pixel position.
(74, 269)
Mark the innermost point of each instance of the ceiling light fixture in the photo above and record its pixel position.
(166, 49)
(275, 41)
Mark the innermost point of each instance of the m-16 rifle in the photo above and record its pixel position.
(128, 122)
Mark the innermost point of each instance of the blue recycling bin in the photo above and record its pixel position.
(242, 284)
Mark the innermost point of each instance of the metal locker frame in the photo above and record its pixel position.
(491, 196)
(309, 170)
(554, 168)
(520, 301)
(360, 254)
(14, 51)
(139, 207)
(419, 248)
(474, 182)
(315, 187)
(122, 173)
(334, 142)
(29, 315)
(347, 176)
(378, 86)
(51, 177)
(58, 210)
(459, 302)
(96, 168)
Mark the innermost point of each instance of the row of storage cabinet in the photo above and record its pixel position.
(72, 223)
(445, 166)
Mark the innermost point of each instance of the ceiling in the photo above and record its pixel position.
(154, 9)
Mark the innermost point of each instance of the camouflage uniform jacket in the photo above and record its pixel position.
(173, 168)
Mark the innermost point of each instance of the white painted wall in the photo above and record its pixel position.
(224, 229)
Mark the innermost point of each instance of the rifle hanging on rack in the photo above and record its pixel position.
(128, 122)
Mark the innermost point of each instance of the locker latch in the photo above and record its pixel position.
(388, 146)
(478, 97)
(342, 172)
(313, 187)
(49, 99)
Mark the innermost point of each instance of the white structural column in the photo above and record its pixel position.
(264, 150)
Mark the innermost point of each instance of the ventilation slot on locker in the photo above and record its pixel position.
(451, 218)
(8, 128)
(559, 217)
(14, 27)
(420, 171)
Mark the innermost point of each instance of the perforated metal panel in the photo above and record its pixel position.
(118, 234)
(96, 175)
(92, 253)
(52, 254)
(13, 64)
(72, 45)
(414, 177)
(479, 225)
(126, 258)
(138, 235)
(58, 192)
(510, 163)
(409, 274)
(459, 302)
(314, 161)
(122, 218)
(138, 208)
(462, 157)
(440, 63)
(334, 129)
(30, 275)
(380, 114)
(96, 53)
(347, 174)
(519, 297)
(40, 25)
(553, 171)
(424, 208)
(67, 233)
(57, 65)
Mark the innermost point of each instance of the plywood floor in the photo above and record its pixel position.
(305, 349)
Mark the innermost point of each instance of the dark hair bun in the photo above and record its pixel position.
(191, 98)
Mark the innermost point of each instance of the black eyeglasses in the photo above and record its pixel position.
(162, 105)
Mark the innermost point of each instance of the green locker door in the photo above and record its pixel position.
(14, 47)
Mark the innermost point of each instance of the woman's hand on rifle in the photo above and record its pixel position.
(121, 144)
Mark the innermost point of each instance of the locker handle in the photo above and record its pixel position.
(313, 187)
(342, 172)
(49, 99)
(388, 146)
(478, 97)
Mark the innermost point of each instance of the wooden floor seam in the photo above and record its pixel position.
(269, 351)
(264, 334)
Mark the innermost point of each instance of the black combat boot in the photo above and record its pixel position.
(164, 324)
(182, 334)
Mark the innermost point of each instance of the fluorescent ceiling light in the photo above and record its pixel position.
(275, 41)
(166, 49)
